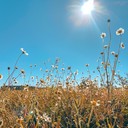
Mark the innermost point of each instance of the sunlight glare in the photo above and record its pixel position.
(88, 7)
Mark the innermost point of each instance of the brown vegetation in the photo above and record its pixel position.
(57, 107)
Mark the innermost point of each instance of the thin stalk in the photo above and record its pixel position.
(101, 76)
(116, 60)
(107, 60)
(15, 78)
(10, 76)
(90, 116)
(30, 75)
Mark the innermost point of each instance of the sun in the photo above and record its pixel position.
(87, 7)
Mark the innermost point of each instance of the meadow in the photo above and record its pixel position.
(57, 107)
(59, 100)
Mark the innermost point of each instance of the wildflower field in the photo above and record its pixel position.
(59, 99)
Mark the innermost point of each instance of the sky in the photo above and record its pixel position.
(47, 29)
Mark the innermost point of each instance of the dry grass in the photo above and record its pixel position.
(63, 108)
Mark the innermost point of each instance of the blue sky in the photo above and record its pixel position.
(50, 28)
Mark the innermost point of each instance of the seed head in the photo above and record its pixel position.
(120, 31)
(102, 53)
(95, 103)
(22, 71)
(87, 65)
(24, 52)
(105, 46)
(103, 35)
(8, 68)
(113, 53)
(1, 76)
(109, 20)
(69, 68)
(116, 55)
(122, 45)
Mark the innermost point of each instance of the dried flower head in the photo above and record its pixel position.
(122, 45)
(42, 81)
(69, 68)
(56, 67)
(109, 20)
(102, 53)
(16, 67)
(109, 102)
(95, 103)
(15, 82)
(1, 76)
(26, 89)
(105, 46)
(46, 70)
(8, 68)
(116, 55)
(103, 35)
(24, 52)
(87, 83)
(32, 77)
(102, 62)
(22, 71)
(62, 69)
(87, 65)
(113, 53)
(67, 83)
(120, 31)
